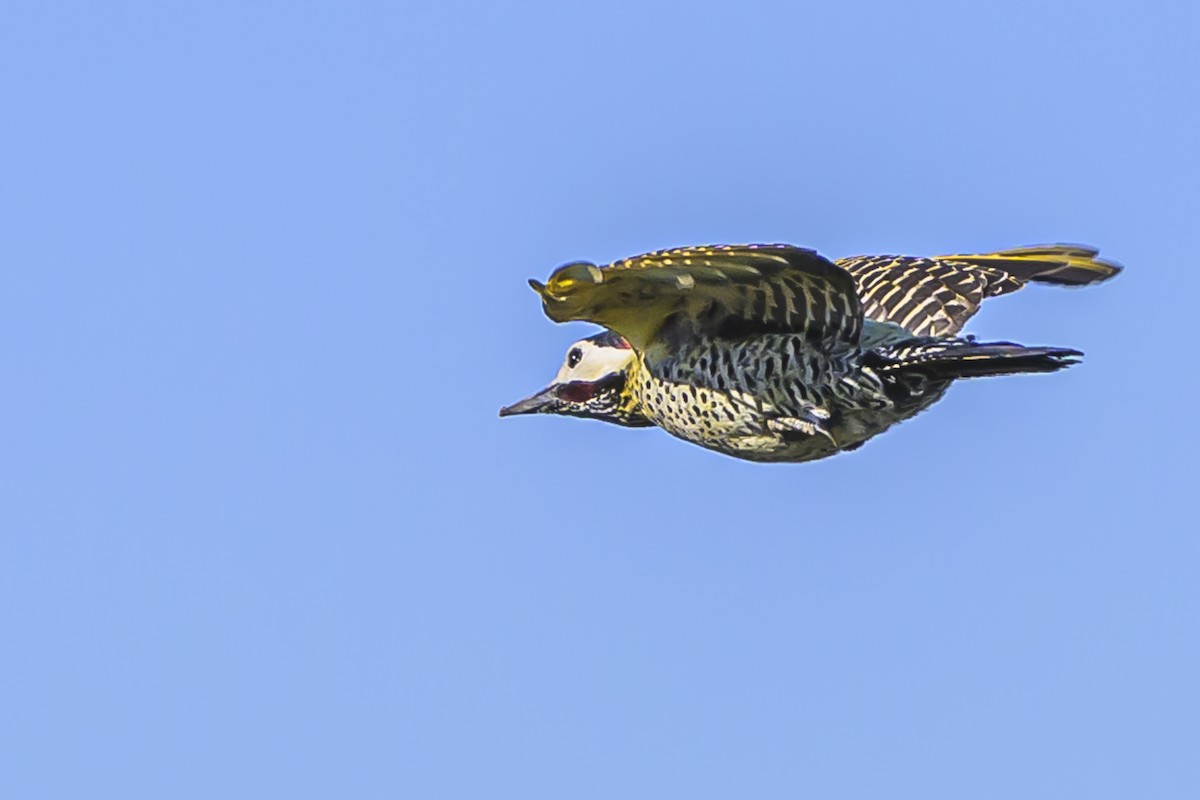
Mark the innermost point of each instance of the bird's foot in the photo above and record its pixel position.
(811, 423)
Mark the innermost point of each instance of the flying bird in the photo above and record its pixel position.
(773, 353)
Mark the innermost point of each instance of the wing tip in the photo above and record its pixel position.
(1061, 264)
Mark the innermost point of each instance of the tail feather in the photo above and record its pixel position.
(964, 358)
(1060, 264)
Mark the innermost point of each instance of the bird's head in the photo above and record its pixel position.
(593, 383)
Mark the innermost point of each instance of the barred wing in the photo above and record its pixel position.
(936, 296)
(722, 290)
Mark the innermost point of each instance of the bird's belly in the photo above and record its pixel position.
(732, 422)
(739, 424)
(699, 414)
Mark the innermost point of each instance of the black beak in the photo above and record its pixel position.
(543, 401)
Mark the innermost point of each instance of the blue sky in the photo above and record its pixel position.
(264, 291)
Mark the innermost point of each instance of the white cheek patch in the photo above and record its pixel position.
(596, 362)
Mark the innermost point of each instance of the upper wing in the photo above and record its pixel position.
(936, 296)
(725, 290)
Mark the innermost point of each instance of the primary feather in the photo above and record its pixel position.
(935, 296)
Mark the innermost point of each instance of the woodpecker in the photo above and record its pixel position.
(773, 353)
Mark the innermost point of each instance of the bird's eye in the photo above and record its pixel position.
(573, 357)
